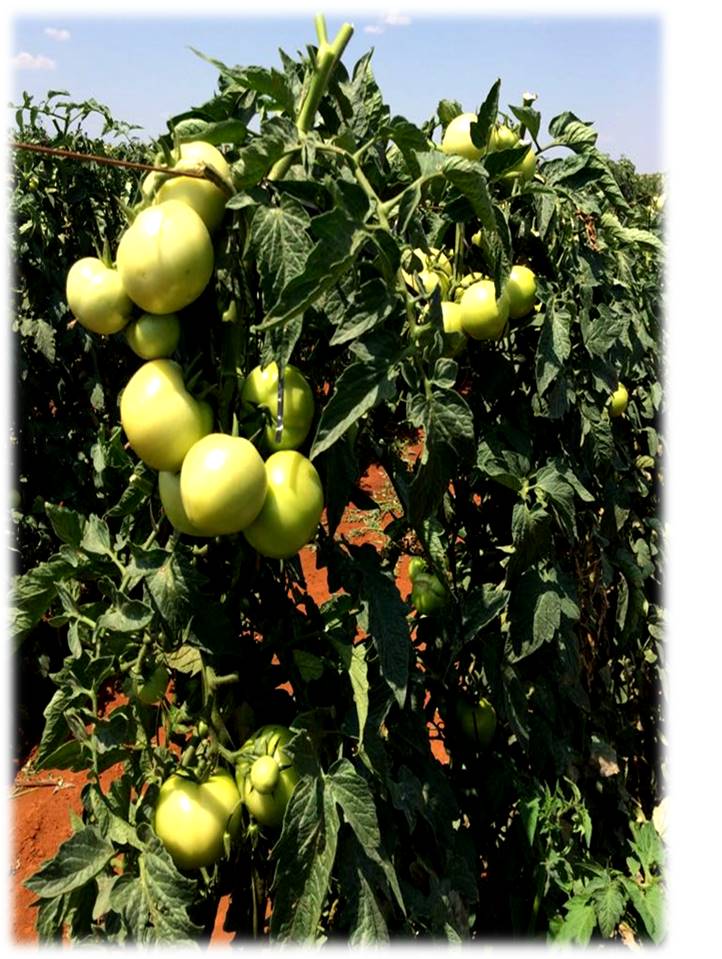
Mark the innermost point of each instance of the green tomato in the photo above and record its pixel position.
(483, 315)
(435, 272)
(457, 138)
(153, 689)
(96, 296)
(502, 138)
(618, 401)
(292, 508)
(477, 722)
(416, 565)
(172, 502)
(265, 775)
(428, 594)
(208, 200)
(160, 417)
(525, 169)
(165, 257)
(261, 389)
(153, 336)
(521, 290)
(222, 484)
(191, 818)
(453, 333)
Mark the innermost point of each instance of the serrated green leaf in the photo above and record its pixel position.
(360, 387)
(609, 903)
(579, 922)
(76, 862)
(554, 347)
(304, 854)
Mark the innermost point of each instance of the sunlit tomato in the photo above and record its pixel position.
(207, 199)
(160, 417)
(466, 281)
(222, 484)
(521, 290)
(477, 721)
(453, 333)
(525, 169)
(457, 138)
(191, 818)
(261, 389)
(170, 497)
(502, 138)
(483, 315)
(435, 271)
(265, 775)
(292, 508)
(618, 401)
(165, 257)
(153, 336)
(96, 296)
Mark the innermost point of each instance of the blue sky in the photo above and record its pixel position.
(605, 69)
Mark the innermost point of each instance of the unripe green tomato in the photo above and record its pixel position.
(165, 257)
(435, 272)
(191, 818)
(265, 774)
(428, 594)
(521, 290)
(292, 508)
(524, 170)
(618, 401)
(261, 389)
(96, 296)
(222, 484)
(457, 138)
(453, 332)
(477, 722)
(502, 138)
(160, 417)
(416, 565)
(153, 689)
(208, 200)
(170, 497)
(153, 336)
(267, 804)
(466, 281)
(483, 315)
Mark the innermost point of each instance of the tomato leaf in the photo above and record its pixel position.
(77, 861)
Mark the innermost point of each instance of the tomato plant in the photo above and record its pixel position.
(234, 540)
(206, 198)
(152, 337)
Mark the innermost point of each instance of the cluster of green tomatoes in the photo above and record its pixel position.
(197, 820)
(210, 483)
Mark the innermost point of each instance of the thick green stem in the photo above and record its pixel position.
(326, 59)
